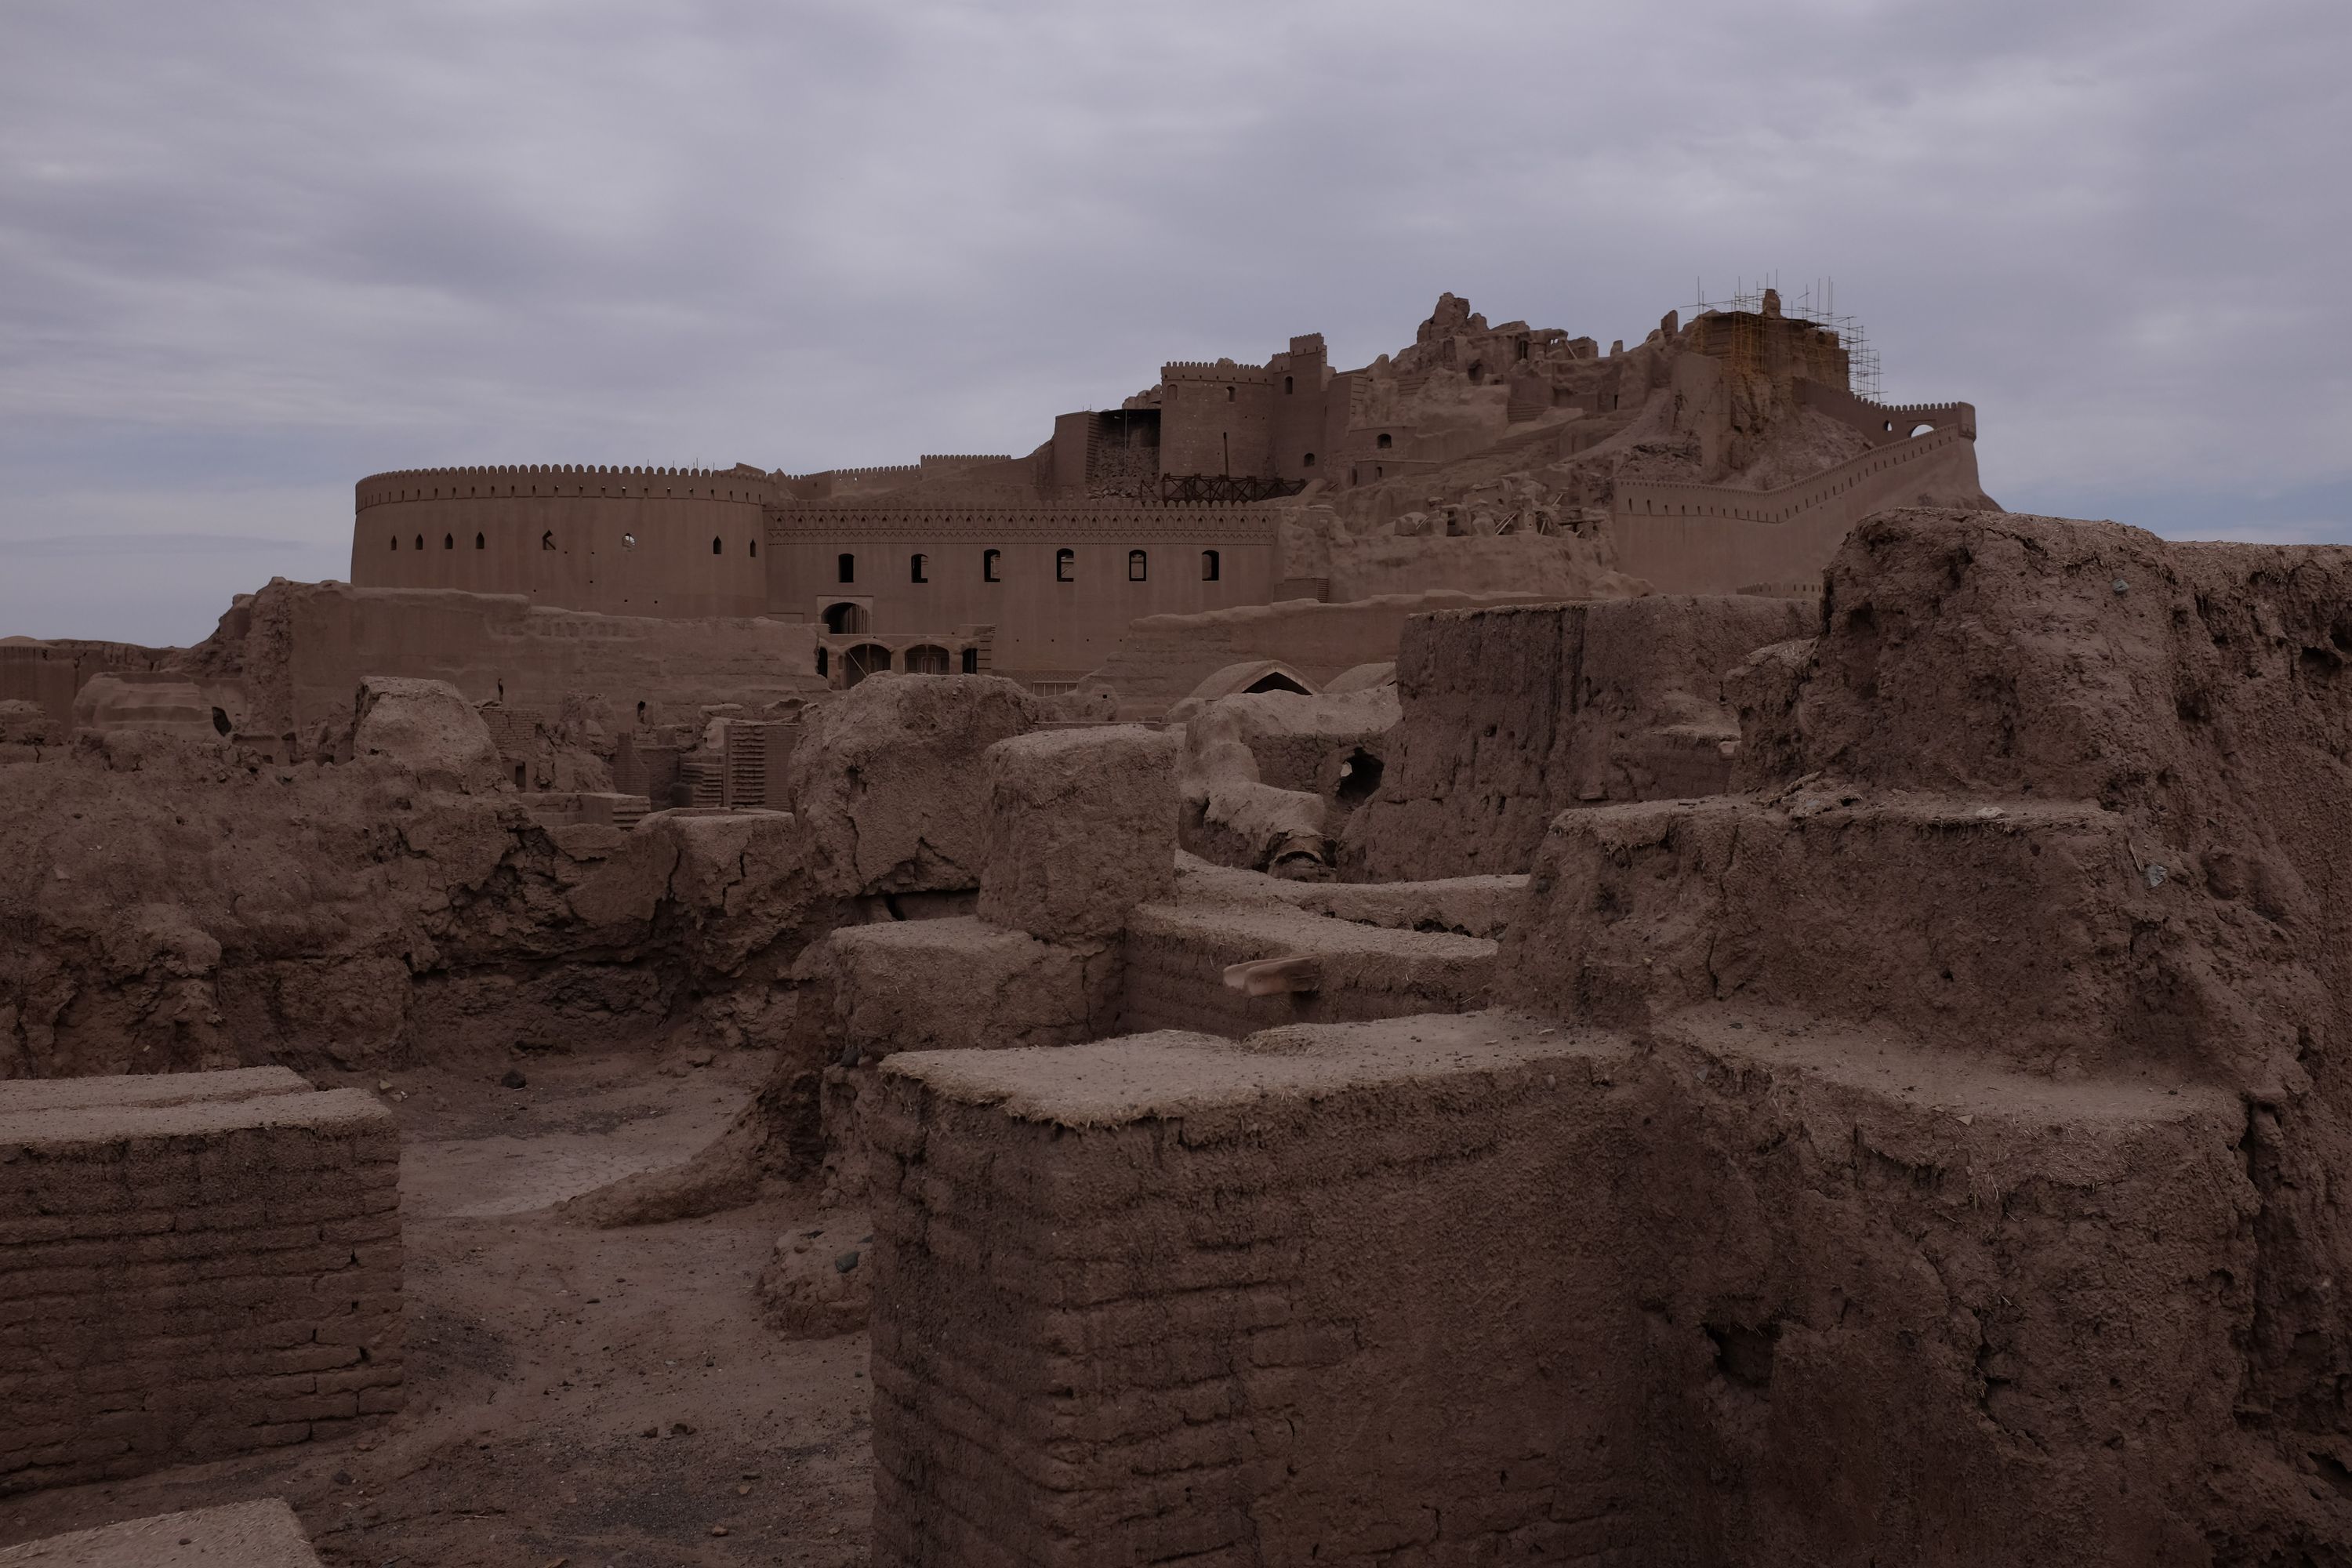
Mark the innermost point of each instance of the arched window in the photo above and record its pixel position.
(925, 659)
(840, 619)
(845, 564)
(917, 569)
(1309, 461)
(420, 541)
(478, 542)
(395, 542)
(754, 551)
(448, 542)
(988, 560)
(1288, 387)
(1384, 441)
(1134, 565)
(1229, 394)
(714, 545)
(1208, 566)
(1065, 565)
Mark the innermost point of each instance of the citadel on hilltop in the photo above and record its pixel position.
(1725, 455)
(1233, 527)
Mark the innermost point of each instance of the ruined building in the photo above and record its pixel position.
(1625, 998)
(1723, 456)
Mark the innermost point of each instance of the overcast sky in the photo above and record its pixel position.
(250, 252)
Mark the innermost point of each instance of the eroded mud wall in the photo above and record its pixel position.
(1513, 714)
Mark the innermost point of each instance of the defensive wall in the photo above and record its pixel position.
(191, 1265)
(51, 674)
(300, 650)
(1060, 585)
(627, 541)
(1717, 538)
(1886, 424)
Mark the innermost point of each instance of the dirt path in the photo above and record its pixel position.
(604, 1398)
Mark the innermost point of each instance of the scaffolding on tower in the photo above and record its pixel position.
(1816, 307)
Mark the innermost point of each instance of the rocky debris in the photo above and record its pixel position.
(428, 728)
(889, 782)
(1229, 815)
(180, 904)
(28, 724)
(1081, 828)
(811, 1290)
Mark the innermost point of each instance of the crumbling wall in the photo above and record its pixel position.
(1162, 659)
(1973, 1072)
(1480, 1288)
(1514, 714)
(191, 1266)
(295, 652)
(889, 782)
(176, 906)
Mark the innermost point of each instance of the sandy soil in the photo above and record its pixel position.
(593, 1397)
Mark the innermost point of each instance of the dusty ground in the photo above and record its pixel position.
(598, 1397)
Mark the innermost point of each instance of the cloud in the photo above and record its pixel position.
(250, 251)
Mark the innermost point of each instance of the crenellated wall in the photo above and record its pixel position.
(1886, 424)
(623, 541)
(1715, 538)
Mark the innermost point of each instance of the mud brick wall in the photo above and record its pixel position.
(191, 1265)
(1166, 1300)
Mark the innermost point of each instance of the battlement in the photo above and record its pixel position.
(962, 459)
(561, 479)
(1921, 410)
(1206, 370)
(880, 471)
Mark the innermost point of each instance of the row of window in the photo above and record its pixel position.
(1065, 562)
(1066, 567)
(547, 542)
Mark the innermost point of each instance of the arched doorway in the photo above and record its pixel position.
(925, 659)
(866, 658)
(844, 619)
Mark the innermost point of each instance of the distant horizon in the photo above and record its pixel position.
(251, 254)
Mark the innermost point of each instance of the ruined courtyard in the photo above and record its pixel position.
(1529, 953)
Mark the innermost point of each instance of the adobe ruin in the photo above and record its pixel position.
(1640, 974)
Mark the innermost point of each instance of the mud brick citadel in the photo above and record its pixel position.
(1227, 485)
(1522, 955)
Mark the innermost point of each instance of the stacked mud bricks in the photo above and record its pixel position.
(1175, 1300)
(191, 1265)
